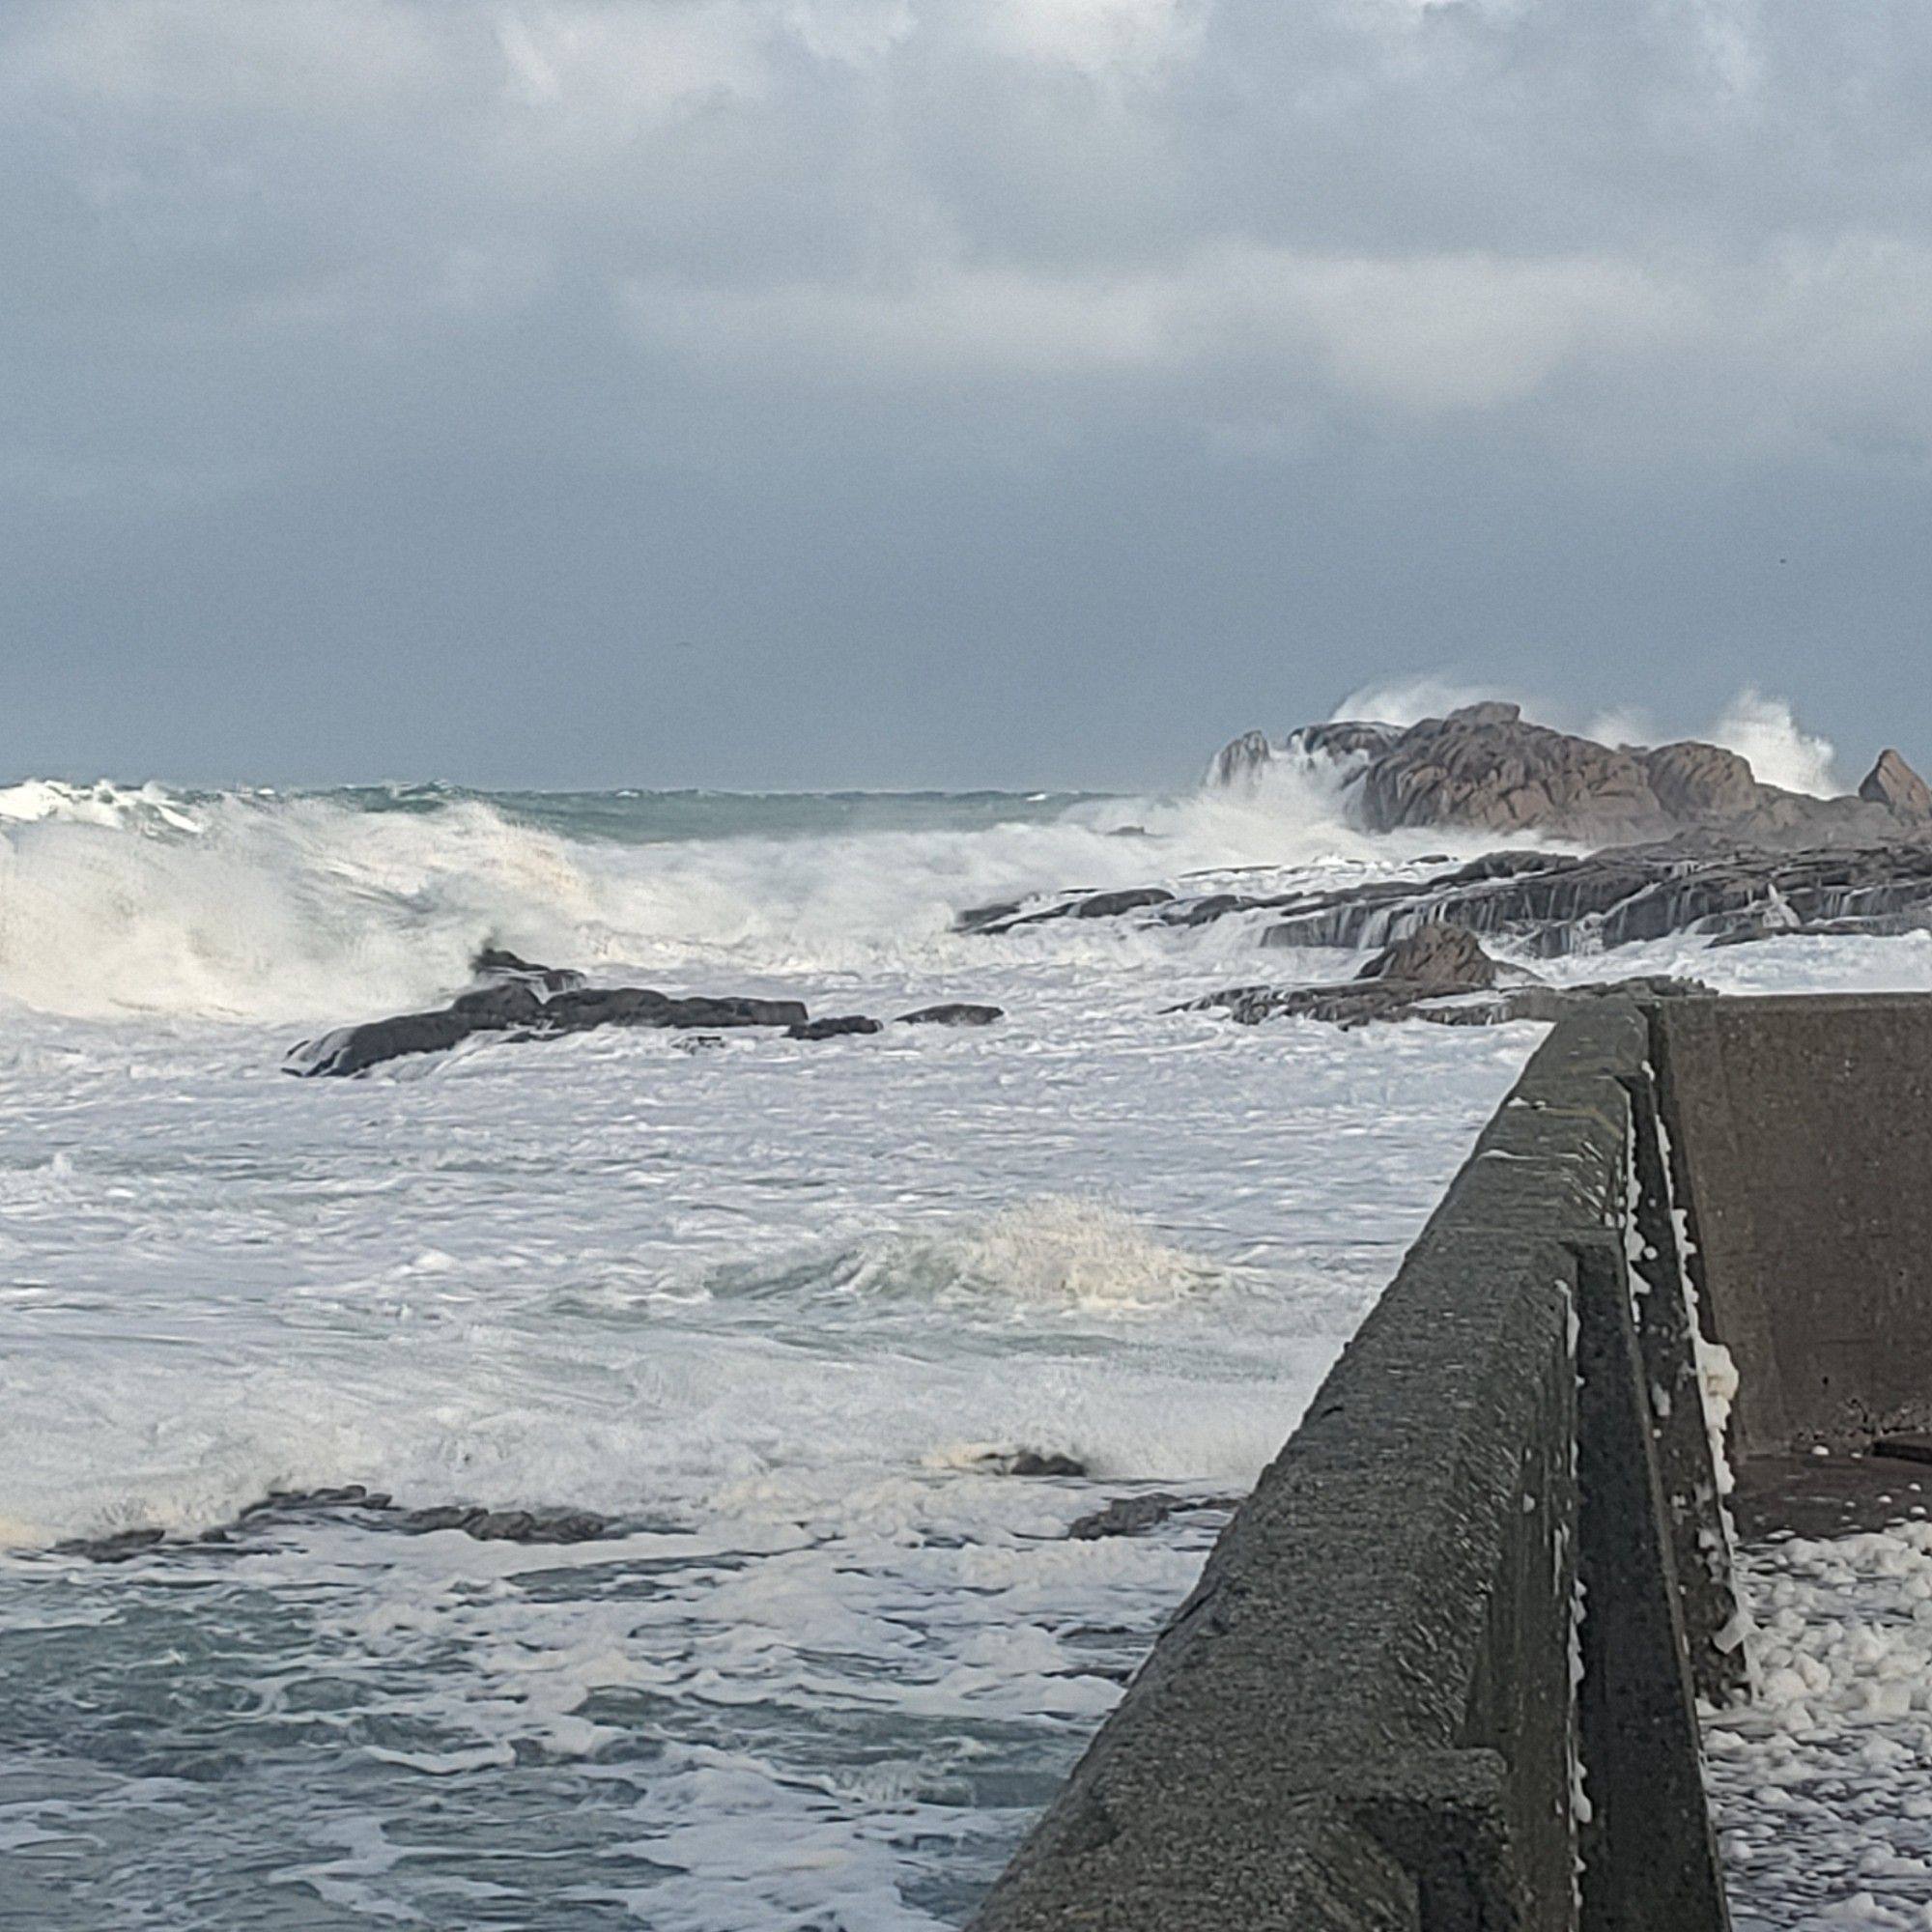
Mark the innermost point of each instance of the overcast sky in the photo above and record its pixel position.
(899, 392)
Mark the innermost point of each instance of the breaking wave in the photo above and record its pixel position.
(1051, 1251)
(263, 907)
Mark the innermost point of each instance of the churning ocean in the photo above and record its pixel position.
(778, 1309)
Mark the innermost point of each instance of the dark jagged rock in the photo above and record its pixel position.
(1004, 918)
(1135, 1515)
(1893, 783)
(1028, 1463)
(1433, 962)
(833, 1029)
(116, 1548)
(510, 1525)
(644, 1007)
(1438, 973)
(515, 1007)
(351, 1050)
(1172, 909)
(296, 1503)
(373, 1508)
(495, 962)
(1108, 905)
(521, 1000)
(1554, 903)
(1877, 925)
(988, 917)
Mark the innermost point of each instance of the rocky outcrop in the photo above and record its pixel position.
(1893, 784)
(1345, 740)
(1690, 780)
(1438, 973)
(1242, 761)
(1107, 905)
(496, 964)
(521, 1000)
(1437, 957)
(488, 1526)
(1486, 768)
(518, 1011)
(1552, 903)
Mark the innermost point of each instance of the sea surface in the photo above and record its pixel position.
(780, 1310)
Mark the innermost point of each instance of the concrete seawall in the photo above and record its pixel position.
(1439, 1670)
(1805, 1160)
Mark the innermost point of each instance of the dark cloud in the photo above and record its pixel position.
(987, 390)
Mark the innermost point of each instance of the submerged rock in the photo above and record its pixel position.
(371, 1509)
(590, 1007)
(1135, 1515)
(117, 1547)
(833, 1029)
(1028, 1463)
(296, 1503)
(488, 1526)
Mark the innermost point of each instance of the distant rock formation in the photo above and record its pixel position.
(1893, 783)
(1486, 768)
(1242, 759)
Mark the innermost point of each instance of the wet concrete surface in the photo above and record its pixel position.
(1835, 1495)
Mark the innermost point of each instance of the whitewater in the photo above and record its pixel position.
(785, 1310)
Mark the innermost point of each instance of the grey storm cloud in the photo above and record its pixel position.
(897, 391)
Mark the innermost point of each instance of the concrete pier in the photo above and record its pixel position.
(1439, 1672)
